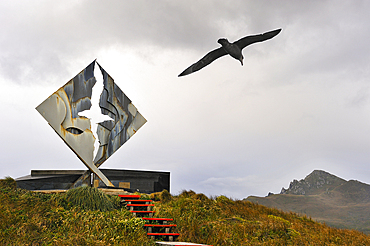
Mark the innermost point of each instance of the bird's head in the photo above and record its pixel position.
(223, 41)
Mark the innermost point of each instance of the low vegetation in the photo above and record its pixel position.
(28, 218)
(223, 221)
(89, 198)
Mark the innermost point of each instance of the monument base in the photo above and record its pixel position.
(129, 180)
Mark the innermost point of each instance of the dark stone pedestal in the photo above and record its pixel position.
(130, 180)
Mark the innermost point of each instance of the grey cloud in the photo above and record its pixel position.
(50, 35)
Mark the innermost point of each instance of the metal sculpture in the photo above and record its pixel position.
(61, 110)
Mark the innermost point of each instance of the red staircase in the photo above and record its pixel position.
(156, 227)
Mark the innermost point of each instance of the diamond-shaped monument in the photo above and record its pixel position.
(61, 110)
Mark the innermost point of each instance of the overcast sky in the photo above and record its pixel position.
(299, 103)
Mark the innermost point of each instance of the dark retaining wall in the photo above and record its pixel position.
(132, 180)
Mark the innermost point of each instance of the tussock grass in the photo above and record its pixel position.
(89, 198)
(28, 218)
(163, 196)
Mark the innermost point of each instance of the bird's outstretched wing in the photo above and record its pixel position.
(206, 60)
(243, 42)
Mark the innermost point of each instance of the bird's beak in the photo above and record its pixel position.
(241, 60)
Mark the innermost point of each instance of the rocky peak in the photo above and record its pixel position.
(314, 183)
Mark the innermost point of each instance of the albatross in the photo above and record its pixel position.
(233, 49)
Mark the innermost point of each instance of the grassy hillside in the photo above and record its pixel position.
(326, 198)
(322, 208)
(28, 218)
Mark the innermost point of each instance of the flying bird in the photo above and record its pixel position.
(233, 49)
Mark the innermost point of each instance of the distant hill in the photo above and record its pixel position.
(325, 198)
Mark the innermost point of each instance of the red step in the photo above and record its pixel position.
(129, 196)
(158, 219)
(133, 201)
(169, 234)
(181, 244)
(145, 206)
(140, 205)
(155, 225)
(152, 227)
(163, 234)
(138, 200)
(143, 212)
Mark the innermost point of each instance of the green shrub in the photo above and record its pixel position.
(223, 200)
(132, 224)
(165, 196)
(187, 194)
(155, 196)
(279, 219)
(89, 198)
(143, 196)
(201, 196)
(8, 182)
(116, 201)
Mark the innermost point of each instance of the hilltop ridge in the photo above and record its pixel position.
(316, 182)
